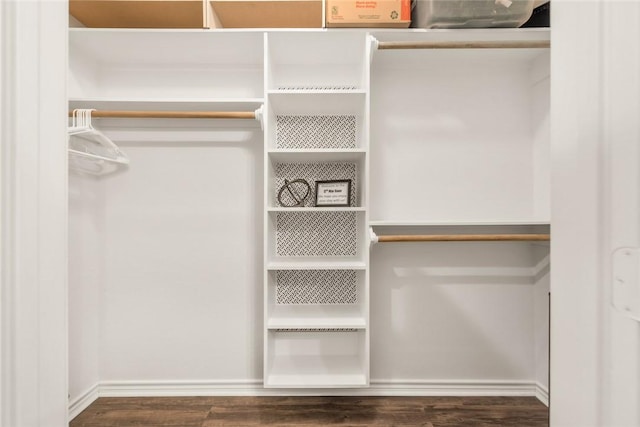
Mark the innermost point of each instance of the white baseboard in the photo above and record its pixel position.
(81, 402)
(181, 388)
(542, 393)
(450, 388)
(377, 388)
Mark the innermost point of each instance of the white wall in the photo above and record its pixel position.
(86, 281)
(541, 315)
(177, 280)
(451, 311)
(540, 127)
(183, 292)
(452, 141)
(540, 95)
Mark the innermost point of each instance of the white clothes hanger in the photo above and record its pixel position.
(91, 151)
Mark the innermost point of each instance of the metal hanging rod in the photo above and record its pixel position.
(174, 114)
(510, 44)
(460, 238)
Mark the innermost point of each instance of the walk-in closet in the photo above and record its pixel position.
(320, 212)
(189, 272)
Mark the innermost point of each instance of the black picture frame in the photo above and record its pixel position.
(341, 198)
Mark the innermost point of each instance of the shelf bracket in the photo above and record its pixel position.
(372, 45)
(625, 282)
(260, 116)
(373, 237)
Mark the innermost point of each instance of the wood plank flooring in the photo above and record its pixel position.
(314, 411)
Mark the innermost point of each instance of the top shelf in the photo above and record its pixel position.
(458, 223)
(239, 64)
(462, 227)
(246, 46)
(180, 104)
(463, 35)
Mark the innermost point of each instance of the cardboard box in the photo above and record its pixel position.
(368, 13)
(265, 14)
(139, 13)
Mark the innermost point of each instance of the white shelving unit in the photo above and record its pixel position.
(316, 258)
(460, 145)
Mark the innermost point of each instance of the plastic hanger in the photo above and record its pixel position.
(91, 151)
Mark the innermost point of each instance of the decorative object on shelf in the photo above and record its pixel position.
(317, 171)
(333, 193)
(293, 193)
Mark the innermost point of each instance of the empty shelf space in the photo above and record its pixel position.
(410, 56)
(317, 102)
(165, 64)
(190, 46)
(316, 371)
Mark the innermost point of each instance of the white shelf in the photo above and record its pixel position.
(466, 34)
(460, 227)
(316, 155)
(168, 104)
(313, 91)
(320, 264)
(316, 323)
(497, 223)
(316, 209)
(316, 371)
(317, 102)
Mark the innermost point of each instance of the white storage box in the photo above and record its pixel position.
(471, 13)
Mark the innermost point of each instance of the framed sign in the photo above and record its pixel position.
(333, 193)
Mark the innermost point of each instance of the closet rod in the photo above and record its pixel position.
(464, 238)
(510, 44)
(173, 114)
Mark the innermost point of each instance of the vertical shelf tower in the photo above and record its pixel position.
(316, 279)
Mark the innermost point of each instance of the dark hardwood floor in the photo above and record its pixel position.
(314, 411)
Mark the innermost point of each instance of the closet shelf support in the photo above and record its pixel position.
(458, 238)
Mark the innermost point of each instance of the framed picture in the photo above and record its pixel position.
(333, 193)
